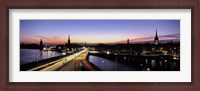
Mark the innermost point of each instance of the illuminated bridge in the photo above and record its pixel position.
(73, 62)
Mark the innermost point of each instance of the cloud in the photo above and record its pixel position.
(29, 40)
(55, 37)
(52, 39)
(162, 37)
(43, 37)
(171, 36)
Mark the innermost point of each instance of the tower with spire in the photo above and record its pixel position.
(156, 40)
(128, 41)
(41, 44)
(69, 46)
(68, 39)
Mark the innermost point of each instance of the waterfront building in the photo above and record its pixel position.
(41, 45)
(128, 41)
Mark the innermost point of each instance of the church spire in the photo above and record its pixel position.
(156, 40)
(68, 39)
(156, 33)
(128, 41)
(41, 44)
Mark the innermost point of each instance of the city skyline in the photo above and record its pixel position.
(97, 31)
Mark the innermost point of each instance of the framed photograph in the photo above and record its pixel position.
(100, 45)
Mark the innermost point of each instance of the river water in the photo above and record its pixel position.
(144, 63)
(109, 65)
(30, 55)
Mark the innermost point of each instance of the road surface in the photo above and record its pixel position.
(76, 64)
(69, 63)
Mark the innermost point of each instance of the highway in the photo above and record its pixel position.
(70, 63)
(76, 64)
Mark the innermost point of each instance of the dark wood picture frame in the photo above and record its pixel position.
(103, 4)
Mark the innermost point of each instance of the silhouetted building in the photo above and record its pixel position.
(156, 40)
(41, 45)
(69, 39)
(69, 43)
(128, 41)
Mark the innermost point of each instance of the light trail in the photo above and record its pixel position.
(75, 64)
(58, 63)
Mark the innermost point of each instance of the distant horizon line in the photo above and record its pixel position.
(162, 39)
(144, 42)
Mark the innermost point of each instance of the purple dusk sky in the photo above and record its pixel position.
(97, 31)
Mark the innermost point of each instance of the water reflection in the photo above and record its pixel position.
(146, 62)
(153, 63)
(109, 65)
(161, 64)
(30, 55)
(172, 65)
